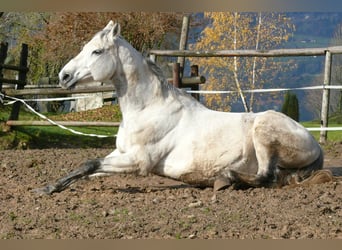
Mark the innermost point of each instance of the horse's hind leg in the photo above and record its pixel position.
(254, 180)
(280, 143)
(266, 160)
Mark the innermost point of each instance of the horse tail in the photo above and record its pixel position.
(311, 174)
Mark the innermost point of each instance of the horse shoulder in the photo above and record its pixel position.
(151, 130)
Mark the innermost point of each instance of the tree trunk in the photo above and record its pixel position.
(238, 86)
(251, 102)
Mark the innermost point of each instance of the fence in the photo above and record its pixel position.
(16, 94)
(327, 52)
(194, 79)
(22, 71)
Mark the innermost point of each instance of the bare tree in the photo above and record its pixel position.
(336, 77)
(227, 30)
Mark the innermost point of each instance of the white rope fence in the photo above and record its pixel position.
(263, 90)
(319, 87)
(23, 101)
(14, 99)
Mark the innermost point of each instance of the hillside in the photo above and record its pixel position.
(312, 30)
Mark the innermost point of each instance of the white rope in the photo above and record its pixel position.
(189, 91)
(263, 90)
(325, 129)
(49, 120)
(276, 90)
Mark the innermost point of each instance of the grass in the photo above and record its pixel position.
(335, 120)
(55, 137)
(12, 216)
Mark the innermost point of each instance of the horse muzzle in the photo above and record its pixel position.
(66, 80)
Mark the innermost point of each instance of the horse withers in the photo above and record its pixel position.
(166, 132)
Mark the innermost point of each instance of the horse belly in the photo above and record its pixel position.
(199, 159)
(226, 143)
(183, 165)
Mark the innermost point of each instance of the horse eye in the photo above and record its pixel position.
(97, 52)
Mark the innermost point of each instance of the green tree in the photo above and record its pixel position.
(291, 106)
(17, 28)
(233, 31)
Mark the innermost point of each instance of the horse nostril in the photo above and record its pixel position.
(66, 77)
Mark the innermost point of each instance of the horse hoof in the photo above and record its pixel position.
(49, 189)
(221, 183)
(251, 179)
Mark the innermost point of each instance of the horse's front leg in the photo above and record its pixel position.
(113, 163)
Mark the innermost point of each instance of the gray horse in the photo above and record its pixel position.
(166, 132)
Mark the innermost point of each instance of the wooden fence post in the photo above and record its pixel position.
(183, 42)
(193, 73)
(176, 75)
(3, 55)
(22, 80)
(325, 97)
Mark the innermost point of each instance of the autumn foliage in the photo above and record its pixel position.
(64, 34)
(240, 31)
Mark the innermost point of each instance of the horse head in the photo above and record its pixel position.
(96, 61)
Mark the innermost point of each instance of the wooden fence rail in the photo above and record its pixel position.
(249, 53)
(57, 91)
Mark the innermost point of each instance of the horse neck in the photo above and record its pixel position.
(136, 86)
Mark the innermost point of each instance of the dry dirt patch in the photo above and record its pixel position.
(126, 206)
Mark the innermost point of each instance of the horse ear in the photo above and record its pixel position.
(109, 25)
(116, 30)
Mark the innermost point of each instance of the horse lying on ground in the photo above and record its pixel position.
(165, 131)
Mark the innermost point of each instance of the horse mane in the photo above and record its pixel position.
(166, 87)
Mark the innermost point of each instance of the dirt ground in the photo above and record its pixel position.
(130, 207)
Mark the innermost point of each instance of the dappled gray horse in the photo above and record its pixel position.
(166, 132)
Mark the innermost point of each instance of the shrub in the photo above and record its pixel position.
(291, 106)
